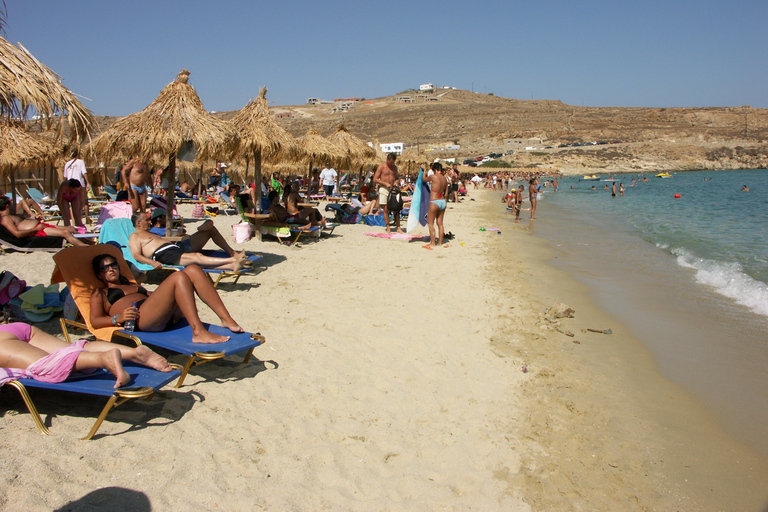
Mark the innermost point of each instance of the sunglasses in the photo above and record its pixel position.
(114, 266)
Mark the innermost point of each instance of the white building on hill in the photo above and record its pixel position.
(427, 87)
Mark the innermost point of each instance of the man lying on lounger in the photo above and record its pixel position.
(151, 249)
(22, 228)
(195, 242)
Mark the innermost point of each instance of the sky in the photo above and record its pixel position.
(119, 55)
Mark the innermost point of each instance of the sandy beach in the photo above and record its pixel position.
(391, 380)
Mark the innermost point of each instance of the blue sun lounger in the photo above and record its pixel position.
(179, 339)
(143, 384)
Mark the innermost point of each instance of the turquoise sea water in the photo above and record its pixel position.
(713, 228)
(688, 276)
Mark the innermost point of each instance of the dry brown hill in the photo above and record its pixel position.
(650, 138)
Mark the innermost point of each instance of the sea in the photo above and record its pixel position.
(683, 262)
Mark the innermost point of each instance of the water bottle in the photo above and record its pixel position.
(130, 325)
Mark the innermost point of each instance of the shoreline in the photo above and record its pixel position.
(632, 420)
(390, 380)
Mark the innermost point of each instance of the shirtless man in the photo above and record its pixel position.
(455, 181)
(137, 181)
(151, 249)
(22, 228)
(196, 242)
(437, 205)
(385, 177)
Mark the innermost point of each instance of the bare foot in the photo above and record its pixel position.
(113, 362)
(238, 263)
(232, 326)
(400, 231)
(150, 358)
(446, 245)
(427, 247)
(208, 337)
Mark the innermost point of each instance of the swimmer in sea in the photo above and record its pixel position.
(744, 188)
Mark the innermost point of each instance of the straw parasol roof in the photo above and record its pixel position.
(317, 148)
(261, 138)
(26, 83)
(20, 147)
(357, 151)
(259, 133)
(173, 120)
(176, 117)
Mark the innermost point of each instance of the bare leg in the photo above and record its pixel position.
(65, 212)
(431, 214)
(440, 229)
(386, 217)
(179, 290)
(397, 223)
(210, 296)
(77, 211)
(209, 232)
(66, 234)
(232, 263)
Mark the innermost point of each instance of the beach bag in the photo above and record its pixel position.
(242, 232)
(374, 220)
(395, 201)
(198, 211)
(10, 287)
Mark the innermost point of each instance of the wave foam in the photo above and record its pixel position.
(727, 279)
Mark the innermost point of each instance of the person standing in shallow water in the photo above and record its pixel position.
(533, 190)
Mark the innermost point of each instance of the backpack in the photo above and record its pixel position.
(10, 287)
(395, 201)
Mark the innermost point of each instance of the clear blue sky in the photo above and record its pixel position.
(594, 53)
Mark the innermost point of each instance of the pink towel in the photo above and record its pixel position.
(55, 367)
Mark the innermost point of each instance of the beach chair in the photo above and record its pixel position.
(119, 230)
(31, 243)
(143, 384)
(73, 266)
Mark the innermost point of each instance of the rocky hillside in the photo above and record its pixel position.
(639, 139)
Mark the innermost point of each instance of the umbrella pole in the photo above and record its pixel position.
(257, 178)
(170, 194)
(13, 192)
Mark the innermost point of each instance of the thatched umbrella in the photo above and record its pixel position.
(261, 138)
(25, 82)
(318, 148)
(357, 150)
(175, 119)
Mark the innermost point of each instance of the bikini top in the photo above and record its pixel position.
(115, 294)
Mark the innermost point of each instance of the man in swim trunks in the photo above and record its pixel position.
(153, 250)
(437, 205)
(385, 176)
(22, 228)
(196, 242)
(137, 180)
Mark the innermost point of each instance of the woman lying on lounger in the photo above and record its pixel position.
(173, 299)
(28, 352)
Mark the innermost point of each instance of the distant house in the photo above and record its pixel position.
(284, 115)
(393, 147)
(346, 100)
(427, 87)
(405, 99)
(313, 101)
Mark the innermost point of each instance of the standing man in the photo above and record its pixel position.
(137, 181)
(328, 177)
(385, 177)
(437, 206)
(75, 169)
(455, 181)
